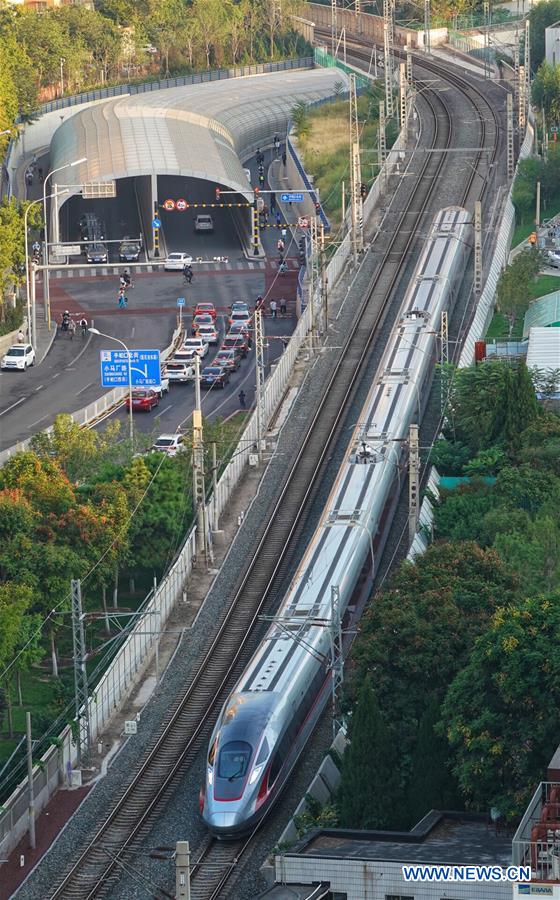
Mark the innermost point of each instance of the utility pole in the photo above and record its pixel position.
(259, 372)
(216, 522)
(486, 7)
(81, 692)
(199, 489)
(337, 659)
(324, 283)
(182, 871)
(527, 61)
(538, 207)
(343, 197)
(255, 226)
(427, 27)
(409, 64)
(510, 151)
(358, 11)
(333, 27)
(516, 74)
(403, 87)
(522, 103)
(381, 139)
(388, 56)
(355, 175)
(478, 246)
(444, 357)
(413, 482)
(30, 785)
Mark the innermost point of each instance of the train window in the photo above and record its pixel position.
(234, 760)
(263, 753)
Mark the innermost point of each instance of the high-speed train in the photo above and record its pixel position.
(267, 719)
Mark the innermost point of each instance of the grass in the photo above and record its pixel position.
(499, 327)
(325, 149)
(524, 229)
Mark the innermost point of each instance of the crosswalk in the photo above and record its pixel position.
(148, 268)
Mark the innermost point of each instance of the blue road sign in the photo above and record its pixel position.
(180, 301)
(144, 368)
(156, 223)
(291, 198)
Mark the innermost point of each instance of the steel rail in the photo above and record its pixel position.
(187, 725)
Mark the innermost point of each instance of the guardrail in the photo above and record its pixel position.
(485, 306)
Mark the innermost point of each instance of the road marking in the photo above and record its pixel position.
(39, 420)
(85, 388)
(165, 410)
(70, 368)
(104, 271)
(4, 411)
(57, 374)
(39, 388)
(133, 330)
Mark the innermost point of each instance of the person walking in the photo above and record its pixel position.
(188, 273)
(284, 159)
(283, 307)
(20, 337)
(123, 299)
(273, 307)
(278, 218)
(260, 303)
(242, 399)
(280, 245)
(71, 329)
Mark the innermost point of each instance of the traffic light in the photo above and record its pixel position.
(218, 195)
(363, 191)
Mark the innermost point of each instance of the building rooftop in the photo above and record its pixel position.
(544, 312)
(441, 837)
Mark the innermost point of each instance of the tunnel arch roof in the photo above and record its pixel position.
(202, 131)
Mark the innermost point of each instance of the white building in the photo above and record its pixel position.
(552, 44)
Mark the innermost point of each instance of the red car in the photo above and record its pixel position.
(142, 399)
(206, 309)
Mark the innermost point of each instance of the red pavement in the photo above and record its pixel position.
(49, 824)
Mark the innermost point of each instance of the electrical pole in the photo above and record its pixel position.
(527, 61)
(259, 372)
(427, 27)
(358, 11)
(510, 151)
(403, 86)
(444, 357)
(478, 246)
(486, 7)
(413, 482)
(521, 115)
(215, 523)
(355, 175)
(255, 225)
(381, 140)
(538, 208)
(182, 871)
(324, 283)
(333, 27)
(199, 489)
(30, 785)
(81, 693)
(388, 56)
(516, 74)
(337, 659)
(409, 64)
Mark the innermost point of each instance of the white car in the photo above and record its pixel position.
(20, 356)
(179, 372)
(204, 223)
(553, 259)
(195, 345)
(169, 444)
(176, 261)
(208, 334)
(163, 387)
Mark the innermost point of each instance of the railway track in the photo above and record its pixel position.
(188, 724)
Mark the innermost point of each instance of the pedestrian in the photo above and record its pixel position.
(40, 172)
(280, 245)
(260, 303)
(20, 337)
(284, 234)
(284, 159)
(276, 146)
(273, 308)
(278, 219)
(71, 329)
(242, 399)
(280, 259)
(283, 307)
(260, 157)
(123, 300)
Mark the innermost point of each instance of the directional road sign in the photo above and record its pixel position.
(180, 301)
(291, 198)
(156, 223)
(144, 368)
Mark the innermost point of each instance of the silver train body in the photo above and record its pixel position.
(267, 719)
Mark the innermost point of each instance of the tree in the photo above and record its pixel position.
(502, 711)
(431, 784)
(369, 789)
(79, 451)
(513, 285)
(546, 91)
(459, 516)
(524, 191)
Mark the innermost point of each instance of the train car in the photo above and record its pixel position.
(267, 719)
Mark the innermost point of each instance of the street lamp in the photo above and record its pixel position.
(129, 357)
(31, 307)
(47, 298)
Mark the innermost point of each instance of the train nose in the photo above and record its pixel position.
(223, 822)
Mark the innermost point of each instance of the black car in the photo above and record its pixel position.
(214, 376)
(129, 251)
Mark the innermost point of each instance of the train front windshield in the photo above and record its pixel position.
(234, 760)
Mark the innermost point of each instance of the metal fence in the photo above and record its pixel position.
(118, 90)
(485, 306)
